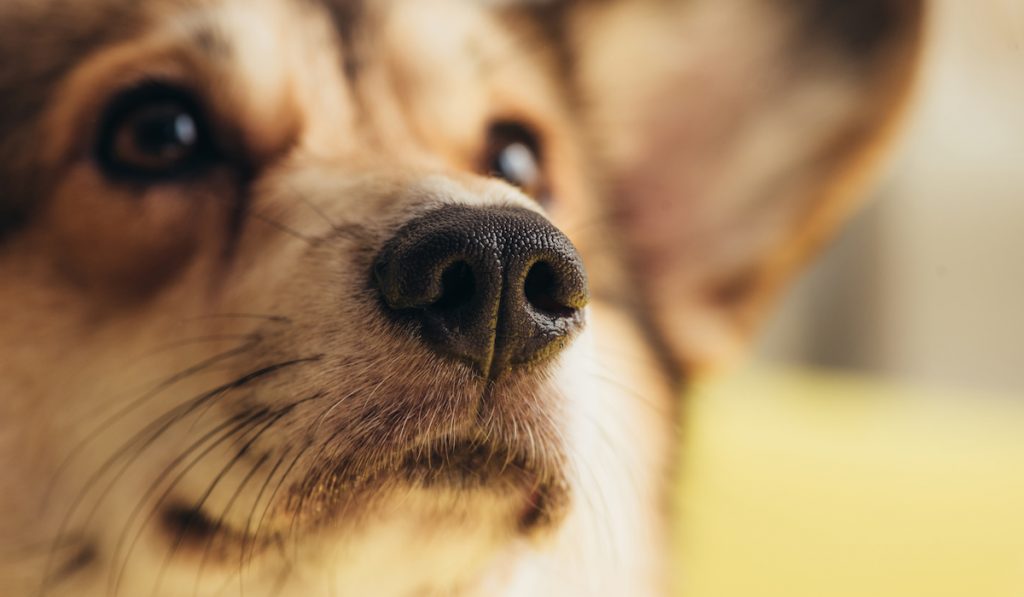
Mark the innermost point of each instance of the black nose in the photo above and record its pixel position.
(497, 287)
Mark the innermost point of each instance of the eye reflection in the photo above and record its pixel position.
(514, 154)
(153, 133)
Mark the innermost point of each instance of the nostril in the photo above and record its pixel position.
(542, 291)
(496, 288)
(458, 285)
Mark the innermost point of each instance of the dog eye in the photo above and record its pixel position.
(154, 133)
(514, 154)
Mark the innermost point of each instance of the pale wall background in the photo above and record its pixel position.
(799, 483)
(927, 286)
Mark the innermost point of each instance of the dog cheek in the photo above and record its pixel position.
(119, 242)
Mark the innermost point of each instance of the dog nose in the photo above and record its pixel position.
(497, 287)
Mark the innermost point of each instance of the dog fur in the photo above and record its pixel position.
(199, 394)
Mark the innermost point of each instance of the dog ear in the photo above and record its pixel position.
(733, 136)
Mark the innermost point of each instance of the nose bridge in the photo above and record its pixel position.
(499, 287)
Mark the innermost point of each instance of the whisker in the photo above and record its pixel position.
(233, 385)
(240, 423)
(219, 522)
(259, 373)
(630, 392)
(314, 207)
(199, 340)
(309, 240)
(23, 552)
(602, 513)
(249, 519)
(324, 446)
(266, 481)
(260, 316)
(283, 578)
(161, 425)
(337, 403)
(270, 501)
(249, 425)
(167, 383)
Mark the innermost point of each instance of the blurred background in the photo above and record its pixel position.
(874, 445)
(928, 284)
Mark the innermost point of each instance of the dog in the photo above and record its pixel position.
(371, 297)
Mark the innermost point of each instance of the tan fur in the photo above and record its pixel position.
(128, 305)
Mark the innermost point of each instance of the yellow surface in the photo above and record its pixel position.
(817, 485)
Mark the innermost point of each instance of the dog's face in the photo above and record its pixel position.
(392, 297)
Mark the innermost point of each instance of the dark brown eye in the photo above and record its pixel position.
(154, 133)
(514, 154)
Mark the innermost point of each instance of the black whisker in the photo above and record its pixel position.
(270, 501)
(192, 405)
(200, 340)
(167, 383)
(219, 522)
(118, 454)
(309, 240)
(260, 316)
(259, 373)
(23, 552)
(155, 430)
(315, 208)
(233, 425)
(249, 519)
